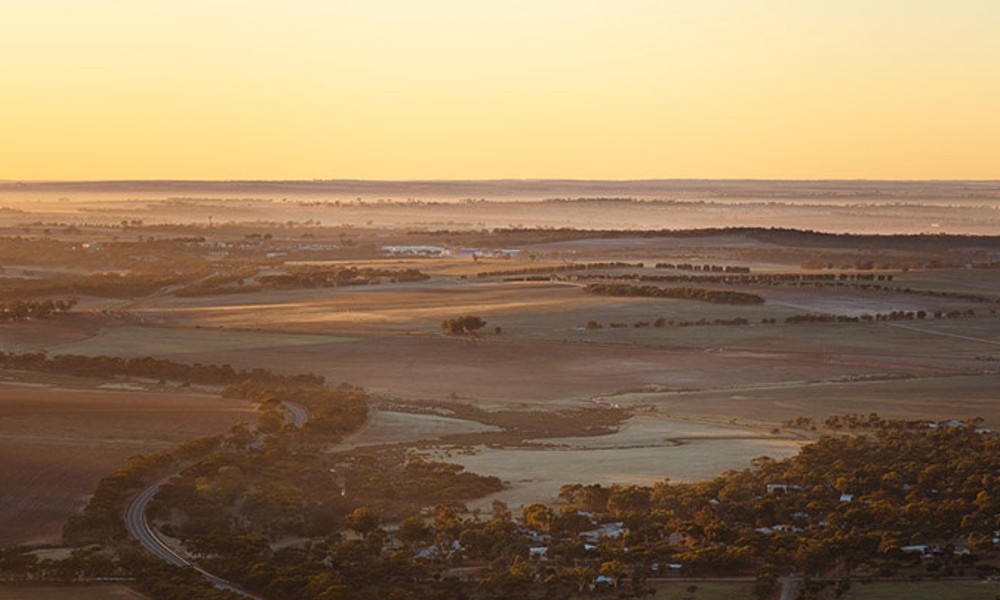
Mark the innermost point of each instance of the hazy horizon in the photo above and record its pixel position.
(882, 207)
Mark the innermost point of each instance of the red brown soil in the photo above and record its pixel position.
(57, 443)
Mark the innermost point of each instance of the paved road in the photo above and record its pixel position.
(139, 528)
(789, 587)
(299, 413)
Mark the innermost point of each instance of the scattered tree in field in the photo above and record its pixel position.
(464, 325)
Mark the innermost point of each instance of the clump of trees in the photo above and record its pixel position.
(464, 325)
(22, 310)
(333, 411)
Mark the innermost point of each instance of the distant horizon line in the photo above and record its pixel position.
(506, 179)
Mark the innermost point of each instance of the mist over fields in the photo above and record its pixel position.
(833, 206)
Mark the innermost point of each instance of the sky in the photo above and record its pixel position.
(480, 89)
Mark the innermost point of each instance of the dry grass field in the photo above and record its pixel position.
(68, 592)
(393, 427)
(372, 310)
(705, 590)
(511, 369)
(37, 335)
(58, 442)
(922, 590)
(127, 341)
(536, 474)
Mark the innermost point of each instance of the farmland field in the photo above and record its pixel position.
(162, 341)
(704, 590)
(919, 397)
(68, 592)
(923, 590)
(58, 442)
(392, 427)
(584, 364)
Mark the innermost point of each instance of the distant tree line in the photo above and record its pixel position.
(816, 280)
(681, 293)
(661, 322)
(706, 268)
(339, 276)
(109, 254)
(756, 279)
(151, 368)
(561, 268)
(299, 278)
(895, 315)
(106, 285)
(780, 236)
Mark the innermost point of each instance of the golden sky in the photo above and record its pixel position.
(468, 89)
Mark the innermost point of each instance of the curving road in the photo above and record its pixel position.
(299, 413)
(139, 528)
(789, 585)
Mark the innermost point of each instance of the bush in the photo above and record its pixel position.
(464, 325)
